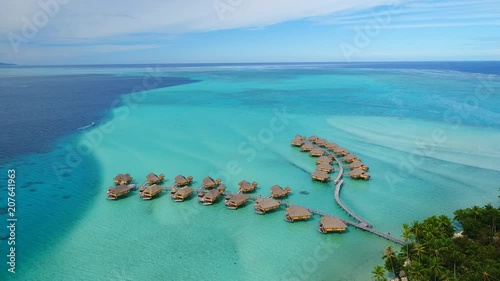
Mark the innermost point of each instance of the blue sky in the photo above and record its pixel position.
(192, 31)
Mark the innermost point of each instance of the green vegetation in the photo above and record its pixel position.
(433, 253)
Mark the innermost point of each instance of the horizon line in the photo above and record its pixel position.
(248, 63)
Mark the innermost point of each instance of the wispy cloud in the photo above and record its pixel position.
(426, 14)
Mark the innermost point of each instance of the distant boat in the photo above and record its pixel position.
(88, 126)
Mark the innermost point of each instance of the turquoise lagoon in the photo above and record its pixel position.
(429, 136)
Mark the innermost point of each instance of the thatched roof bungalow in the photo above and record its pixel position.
(324, 159)
(324, 167)
(307, 147)
(331, 224)
(150, 192)
(312, 138)
(180, 180)
(320, 176)
(181, 194)
(278, 192)
(294, 213)
(245, 186)
(321, 142)
(264, 205)
(359, 174)
(209, 197)
(235, 201)
(209, 182)
(221, 188)
(349, 158)
(122, 179)
(152, 178)
(316, 152)
(298, 140)
(358, 165)
(331, 146)
(117, 192)
(340, 151)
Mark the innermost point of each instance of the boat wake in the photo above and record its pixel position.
(86, 127)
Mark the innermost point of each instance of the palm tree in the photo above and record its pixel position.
(407, 234)
(379, 273)
(436, 267)
(417, 272)
(389, 257)
(419, 250)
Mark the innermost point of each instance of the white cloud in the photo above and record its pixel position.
(98, 19)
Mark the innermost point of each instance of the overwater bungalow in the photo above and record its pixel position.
(152, 178)
(235, 201)
(180, 180)
(150, 192)
(209, 197)
(316, 152)
(325, 167)
(122, 179)
(294, 213)
(181, 194)
(331, 224)
(340, 151)
(117, 192)
(358, 165)
(209, 182)
(331, 146)
(312, 138)
(278, 192)
(298, 140)
(307, 147)
(245, 186)
(349, 158)
(320, 176)
(321, 142)
(324, 159)
(221, 188)
(264, 205)
(359, 174)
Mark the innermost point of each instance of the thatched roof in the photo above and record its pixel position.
(238, 198)
(317, 152)
(320, 175)
(153, 188)
(212, 194)
(339, 149)
(278, 190)
(324, 159)
(123, 178)
(307, 146)
(210, 182)
(118, 189)
(298, 140)
(331, 145)
(246, 186)
(181, 180)
(297, 211)
(297, 136)
(153, 178)
(332, 222)
(185, 191)
(350, 157)
(324, 167)
(313, 138)
(321, 142)
(267, 203)
(221, 188)
(356, 172)
(359, 173)
(357, 164)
